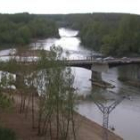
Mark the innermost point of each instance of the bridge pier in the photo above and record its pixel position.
(96, 79)
(96, 76)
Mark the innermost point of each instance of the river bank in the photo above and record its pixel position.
(129, 108)
(87, 129)
(132, 82)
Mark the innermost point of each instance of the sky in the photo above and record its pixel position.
(69, 6)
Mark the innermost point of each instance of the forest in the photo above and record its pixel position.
(20, 29)
(44, 98)
(114, 34)
(108, 33)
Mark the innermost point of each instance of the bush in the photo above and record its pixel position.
(7, 134)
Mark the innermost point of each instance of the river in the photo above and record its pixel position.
(125, 117)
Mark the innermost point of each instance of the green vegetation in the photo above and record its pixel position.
(57, 98)
(111, 34)
(129, 73)
(19, 29)
(6, 103)
(126, 39)
(47, 94)
(7, 134)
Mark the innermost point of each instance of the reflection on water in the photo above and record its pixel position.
(125, 117)
(68, 42)
(130, 72)
(7, 52)
(82, 82)
(67, 32)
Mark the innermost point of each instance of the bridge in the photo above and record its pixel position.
(96, 65)
(89, 63)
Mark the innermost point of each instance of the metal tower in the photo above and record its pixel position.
(106, 110)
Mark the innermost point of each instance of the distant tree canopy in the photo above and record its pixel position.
(111, 34)
(125, 39)
(19, 29)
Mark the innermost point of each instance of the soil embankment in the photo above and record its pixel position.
(21, 125)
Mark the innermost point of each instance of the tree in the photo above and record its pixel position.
(57, 98)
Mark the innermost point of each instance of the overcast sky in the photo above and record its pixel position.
(69, 6)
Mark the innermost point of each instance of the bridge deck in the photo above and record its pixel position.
(88, 63)
(111, 62)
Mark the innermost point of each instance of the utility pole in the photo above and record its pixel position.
(106, 110)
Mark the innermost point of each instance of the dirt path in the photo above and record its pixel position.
(87, 130)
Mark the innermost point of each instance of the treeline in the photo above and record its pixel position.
(111, 34)
(20, 29)
(125, 40)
